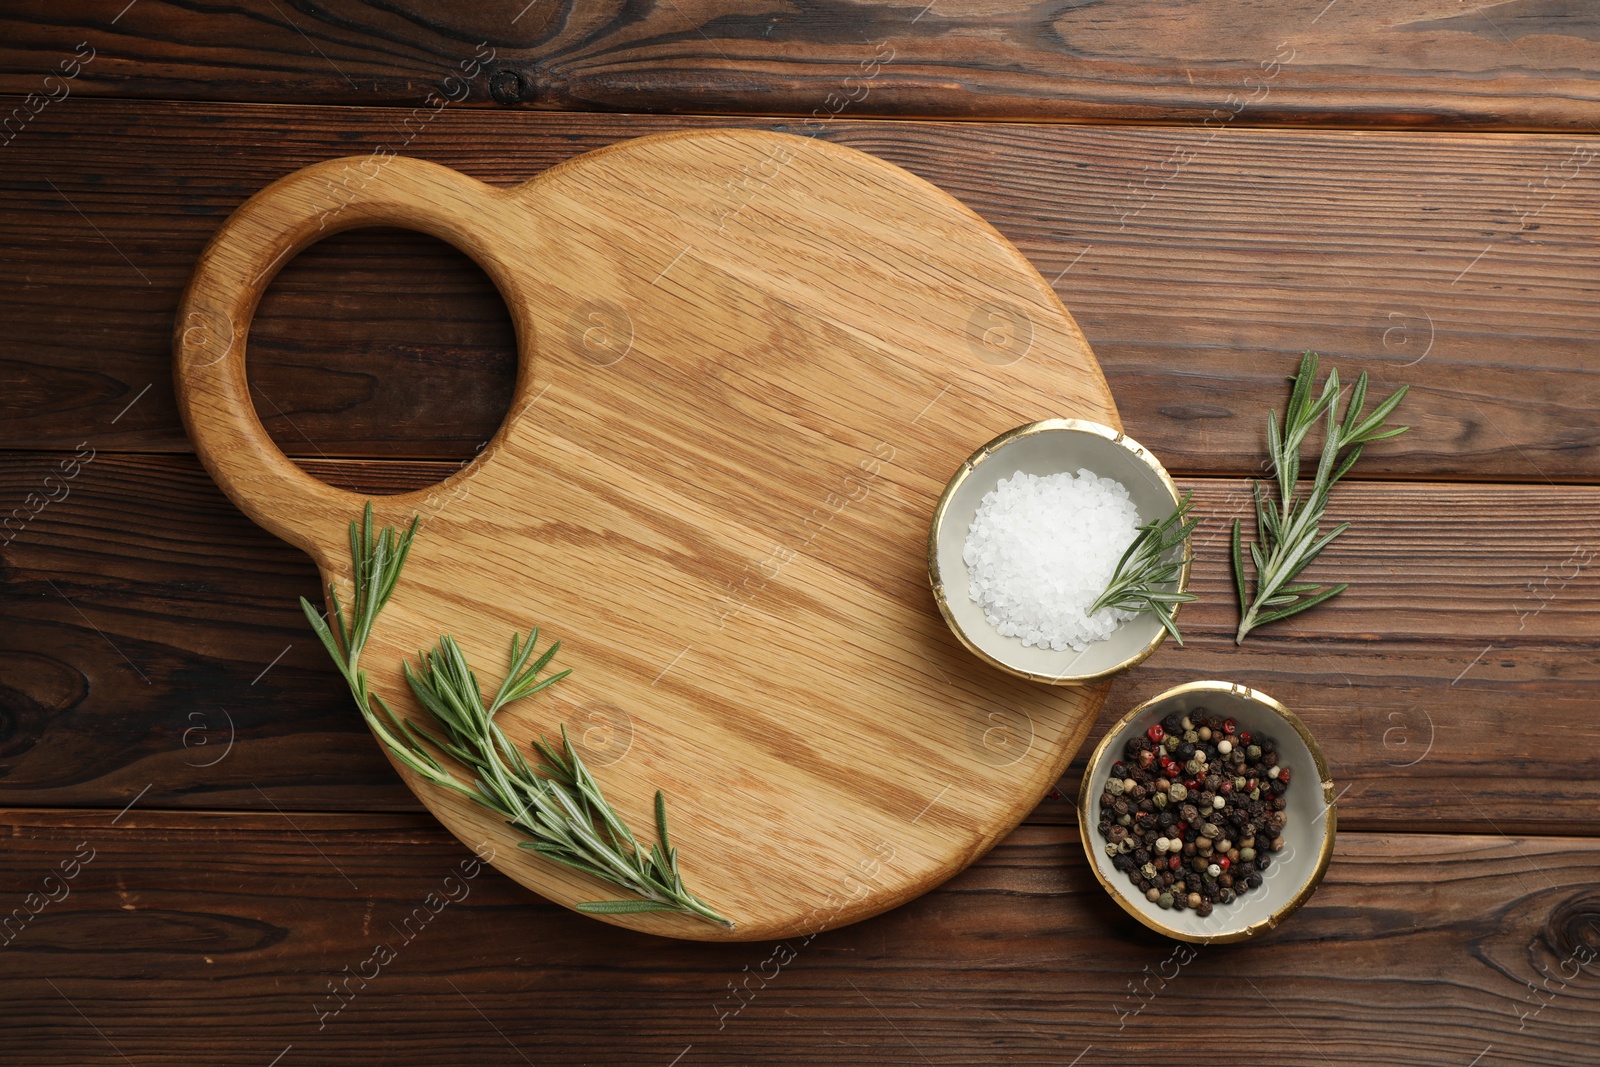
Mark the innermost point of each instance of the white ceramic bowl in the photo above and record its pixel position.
(1296, 869)
(1053, 446)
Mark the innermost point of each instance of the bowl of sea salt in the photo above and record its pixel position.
(1028, 535)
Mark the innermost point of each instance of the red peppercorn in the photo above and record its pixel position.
(1155, 733)
(1229, 726)
(1283, 774)
(1180, 826)
(1245, 737)
(1224, 863)
(1193, 783)
(1173, 863)
(1226, 788)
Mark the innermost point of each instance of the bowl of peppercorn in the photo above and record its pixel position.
(1207, 812)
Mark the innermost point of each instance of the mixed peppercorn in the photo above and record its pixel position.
(1194, 810)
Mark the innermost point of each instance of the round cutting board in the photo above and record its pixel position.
(749, 364)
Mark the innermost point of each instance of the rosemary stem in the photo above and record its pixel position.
(562, 811)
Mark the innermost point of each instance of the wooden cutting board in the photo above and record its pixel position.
(749, 364)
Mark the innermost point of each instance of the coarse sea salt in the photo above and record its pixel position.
(1042, 549)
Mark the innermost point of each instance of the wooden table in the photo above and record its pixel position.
(212, 842)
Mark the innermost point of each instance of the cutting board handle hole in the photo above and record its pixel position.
(381, 343)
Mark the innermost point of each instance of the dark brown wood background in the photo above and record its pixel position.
(1406, 185)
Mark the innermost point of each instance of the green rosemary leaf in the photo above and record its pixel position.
(337, 610)
(1238, 569)
(1369, 425)
(1396, 432)
(320, 627)
(1301, 390)
(1275, 441)
(660, 865)
(1289, 541)
(1266, 519)
(1257, 557)
(1311, 602)
(1358, 400)
(661, 820)
(1348, 462)
(621, 907)
(1163, 615)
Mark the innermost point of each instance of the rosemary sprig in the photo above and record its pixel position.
(1289, 534)
(1148, 565)
(558, 805)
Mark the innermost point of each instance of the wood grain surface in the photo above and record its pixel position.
(1464, 653)
(151, 656)
(1516, 64)
(324, 938)
(736, 406)
(1460, 264)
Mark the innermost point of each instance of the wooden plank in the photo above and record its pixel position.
(1525, 64)
(248, 936)
(1460, 263)
(1462, 659)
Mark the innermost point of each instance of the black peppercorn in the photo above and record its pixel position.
(1236, 836)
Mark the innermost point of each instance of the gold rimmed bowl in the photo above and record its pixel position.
(1053, 446)
(1296, 869)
